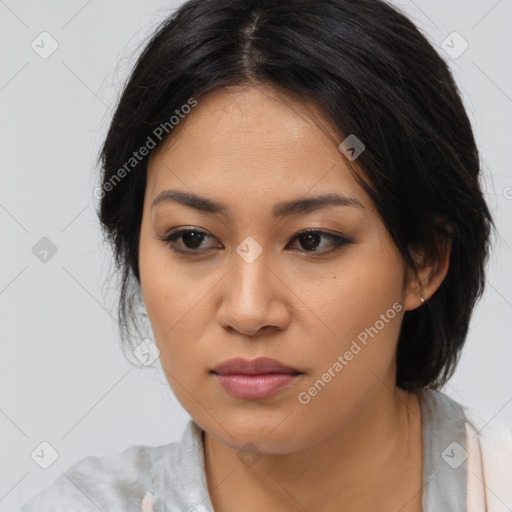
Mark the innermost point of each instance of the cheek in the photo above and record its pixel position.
(175, 304)
(363, 288)
(360, 344)
(162, 291)
(161, 284)
(362, 308)
(172, 316)
(353, 364)
(153, 280)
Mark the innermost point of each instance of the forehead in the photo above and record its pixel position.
(252, 144)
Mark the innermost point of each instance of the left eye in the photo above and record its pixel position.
(310, 240)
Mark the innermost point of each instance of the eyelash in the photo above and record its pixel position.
(337, 240)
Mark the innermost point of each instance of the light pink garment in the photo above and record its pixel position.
(489, 467)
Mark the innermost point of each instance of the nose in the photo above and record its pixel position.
(254, 298)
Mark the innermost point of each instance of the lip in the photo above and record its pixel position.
(259, 378)
(258, 366)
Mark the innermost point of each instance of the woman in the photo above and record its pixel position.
(292, 189)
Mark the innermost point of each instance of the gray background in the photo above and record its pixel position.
(63, 377)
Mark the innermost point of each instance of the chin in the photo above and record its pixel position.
(270, 433)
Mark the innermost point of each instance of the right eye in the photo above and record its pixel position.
(189, 240)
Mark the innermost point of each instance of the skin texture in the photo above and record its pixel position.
(356, 445)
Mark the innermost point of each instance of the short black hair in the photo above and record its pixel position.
(373, 74)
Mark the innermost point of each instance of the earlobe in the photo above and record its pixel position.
(416, 296)
(427, 279)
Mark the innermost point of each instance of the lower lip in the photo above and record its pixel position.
(255, 386)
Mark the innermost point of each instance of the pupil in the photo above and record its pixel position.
(310, 241)
(192, 238)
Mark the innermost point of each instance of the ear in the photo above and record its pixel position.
(429, 275)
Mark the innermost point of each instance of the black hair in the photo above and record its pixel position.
(373, 74)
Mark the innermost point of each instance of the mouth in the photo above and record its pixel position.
(260, 378)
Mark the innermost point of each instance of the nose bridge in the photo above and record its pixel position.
(250, 293)
(250, 278)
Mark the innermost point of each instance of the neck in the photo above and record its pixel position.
(372, 463)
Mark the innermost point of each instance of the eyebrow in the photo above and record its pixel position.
(284, 209)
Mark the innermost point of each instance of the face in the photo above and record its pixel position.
(239, 276)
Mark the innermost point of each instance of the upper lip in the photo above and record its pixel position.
(255, 367)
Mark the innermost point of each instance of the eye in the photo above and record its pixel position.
(310, 239)
(192, 239)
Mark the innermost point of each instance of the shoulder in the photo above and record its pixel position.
(485, 448)
(494, 437)
(107, 482)
(490, 443)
